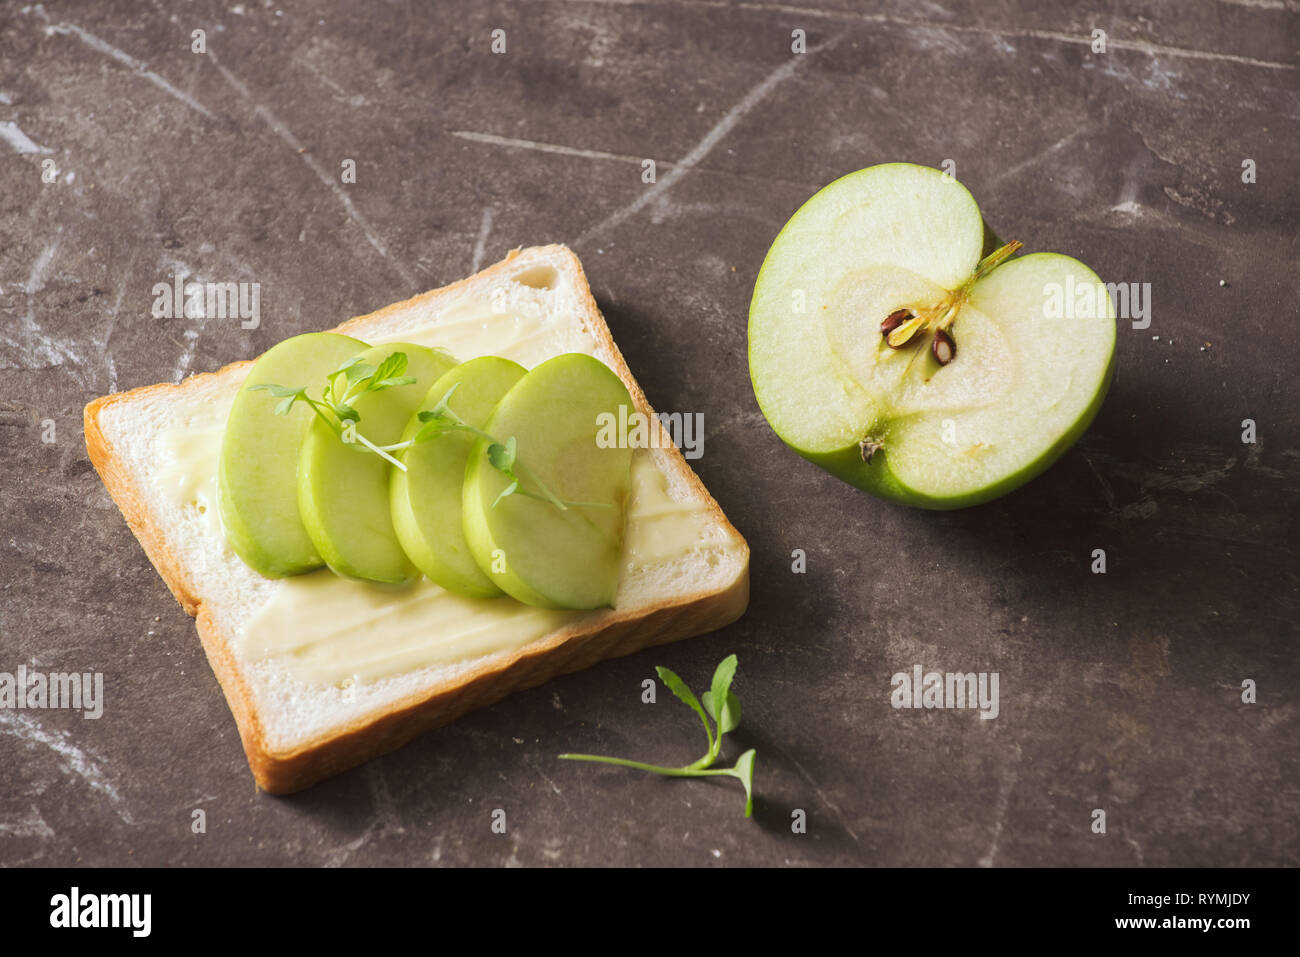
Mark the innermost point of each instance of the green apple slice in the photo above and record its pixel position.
(531, 549)
(343, 485)
(257, 474)
(426, 498)
(880, 411)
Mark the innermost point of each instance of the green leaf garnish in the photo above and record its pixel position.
(508, 490)
(727, 721)
(502, 456)
(430, 429)
(730, 719)
(744, 770)
(335, 407)
(279, 391)
(722, 678)
(442, 407)
(287, 395)
(390, 368)
(356, 370)
(345, 366)
(684, 694)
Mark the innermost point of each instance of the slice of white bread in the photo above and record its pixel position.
(295, 733)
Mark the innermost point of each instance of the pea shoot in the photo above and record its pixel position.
(719, 703)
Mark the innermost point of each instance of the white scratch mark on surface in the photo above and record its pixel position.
(724, 210)
(1037, 157)
(323, 174)
(1264, 4)
(733, 116)
(137, 67)
(554, 787)
(557, 148)
(1136, 46)
(321, 75)
(385, 809)
(31, 339)
(1009, 780)
(1129, 204)
(821, 796)
(339, 856)
(36, 278)
(110, 363)
(480, 245)
(384, 818)
(1137, 849)
(194, 328)
(1077, 39)
(72, 758)
(513, 859)
(20, 141)
(32, 825)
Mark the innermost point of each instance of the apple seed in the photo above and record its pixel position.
(905, 331)
(894, 320)
(944, 349)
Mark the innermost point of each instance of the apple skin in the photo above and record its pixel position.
(343, 496)
(876, 478)
(427, 500)
(555, 559)
(260, 516)
(842, 462)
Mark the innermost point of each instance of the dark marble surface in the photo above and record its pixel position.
(1118, 691)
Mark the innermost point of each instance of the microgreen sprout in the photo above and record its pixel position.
(503, 455)
(335, 407)
(719, 703)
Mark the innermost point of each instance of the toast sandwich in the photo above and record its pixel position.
(314, 690)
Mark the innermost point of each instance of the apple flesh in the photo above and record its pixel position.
(257, 487)
(538, 553)
(1021, 387)
(343, 486)
(426, 498)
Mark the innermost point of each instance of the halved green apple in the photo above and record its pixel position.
(343, 485)
(532, 549)
(883, 348)
(426, 498)
(257, 475)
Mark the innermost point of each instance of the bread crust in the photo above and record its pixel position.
(607, 635)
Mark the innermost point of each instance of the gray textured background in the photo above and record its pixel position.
(1118, 691)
